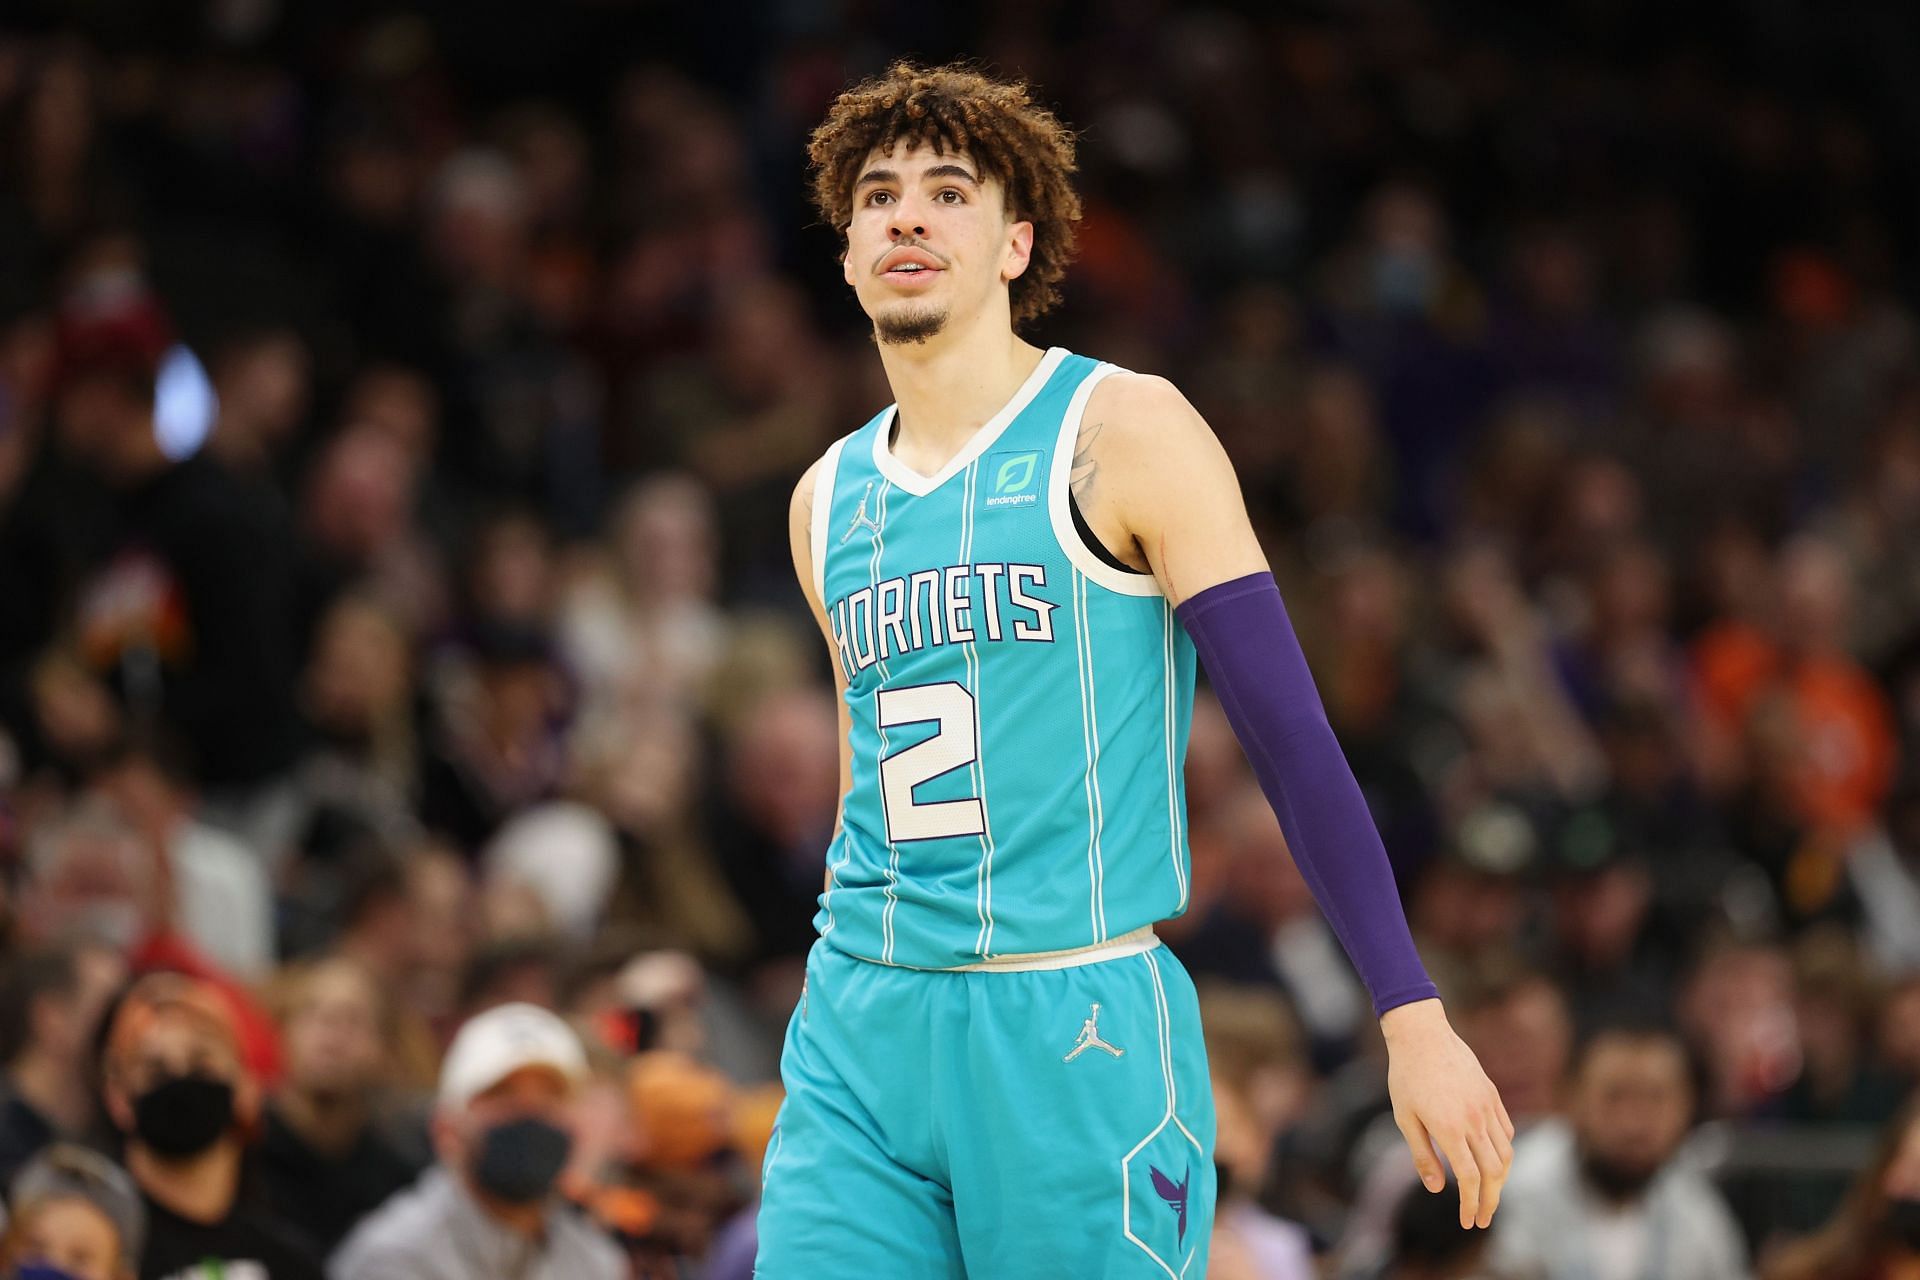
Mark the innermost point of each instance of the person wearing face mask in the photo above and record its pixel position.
(76, 1216)
(176, 1087)
(503, 1131)
(1875, 1234)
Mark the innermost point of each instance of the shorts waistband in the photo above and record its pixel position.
(1127, 944)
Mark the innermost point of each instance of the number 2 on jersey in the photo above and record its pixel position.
(954, 746)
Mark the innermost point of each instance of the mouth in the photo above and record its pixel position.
(911, 267)
(911, 276)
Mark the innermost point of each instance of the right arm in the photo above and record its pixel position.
(800, 537)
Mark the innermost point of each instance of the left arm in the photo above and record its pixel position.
(1159, 476)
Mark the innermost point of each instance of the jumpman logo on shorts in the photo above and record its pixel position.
(1090, 1038)
(860, 518)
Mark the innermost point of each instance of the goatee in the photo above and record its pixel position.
(898, 327)
(1618, 1182)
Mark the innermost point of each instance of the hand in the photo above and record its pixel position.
(1442, 1098)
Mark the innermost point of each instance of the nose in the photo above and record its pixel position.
(906, 227)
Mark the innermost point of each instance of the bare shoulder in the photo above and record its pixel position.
(800, 528)
(800, 509)
(1142, 404)
(1141, 425)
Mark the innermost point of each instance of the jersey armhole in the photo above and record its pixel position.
(1091, 540)
(820, 513)
(1070, 530)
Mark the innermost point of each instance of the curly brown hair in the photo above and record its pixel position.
(959, 111)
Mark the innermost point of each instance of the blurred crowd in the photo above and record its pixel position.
(416, 761)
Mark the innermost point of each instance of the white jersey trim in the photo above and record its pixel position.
(1058, 481)
(822, 512)
(992, 429)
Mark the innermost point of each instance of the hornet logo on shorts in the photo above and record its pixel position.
(1174, 1194)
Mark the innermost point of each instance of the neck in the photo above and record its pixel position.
(327, 1122)
(375, 953)
(950, 385)
(139, 459)
(57, 1090)
(529, 1220)
(200, 1188)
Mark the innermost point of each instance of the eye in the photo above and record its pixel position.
(876, 197)
(958, 196)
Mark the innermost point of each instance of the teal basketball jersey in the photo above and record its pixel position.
(1019, 706)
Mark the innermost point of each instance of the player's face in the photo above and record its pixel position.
(931, 242)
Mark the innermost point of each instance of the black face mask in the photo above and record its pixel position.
(183, 1115)
(1903, 1223)
(519, 1160)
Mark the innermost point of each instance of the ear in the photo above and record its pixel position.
(449, 1142)
(246, 1104)
(846, 266)
(48, 1017)
(1019, 251)
(119, 1106)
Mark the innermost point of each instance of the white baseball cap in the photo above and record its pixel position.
(491, 1046)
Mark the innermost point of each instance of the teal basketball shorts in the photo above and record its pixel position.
(991, 1123)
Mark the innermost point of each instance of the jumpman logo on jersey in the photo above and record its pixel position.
(1090, 1038)
(860, 518)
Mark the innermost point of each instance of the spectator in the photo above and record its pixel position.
(1834, 1006)
(91, 874)
(1605, 955)
(1876, 1233)
(357, 529)
(361, 707)
(1736, 1008)
(1839, 762)
(1261, 1084)
(76, 1216)
(644, 619)
(1428, 1243)
(51, 1001)
(185, 610)
(262, 380)
(773, 830)
(502, 1131)
(221, 895)
(177, 1090)
(499, 746)
(1603, 1196)
(324, 1161)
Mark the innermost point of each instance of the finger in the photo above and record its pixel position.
(1506, 1121)
(1502, 1145)
(1493, 1175)
(1425, 1162)
(1466, 1171)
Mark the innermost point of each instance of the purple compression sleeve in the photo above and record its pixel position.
(1254, 660)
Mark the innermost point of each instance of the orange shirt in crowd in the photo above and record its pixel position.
(1848, 747)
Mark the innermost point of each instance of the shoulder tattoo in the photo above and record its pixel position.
(1085, 466)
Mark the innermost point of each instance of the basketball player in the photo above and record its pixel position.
(995, 1069)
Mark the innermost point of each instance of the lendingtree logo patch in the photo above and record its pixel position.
(1013, 479)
